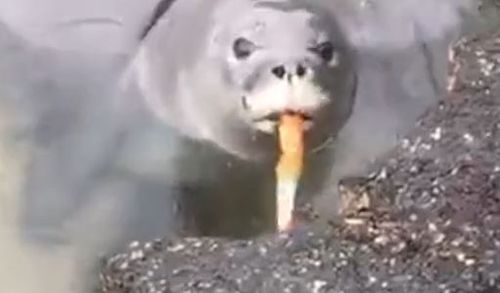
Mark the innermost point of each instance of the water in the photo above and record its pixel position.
(55, 138)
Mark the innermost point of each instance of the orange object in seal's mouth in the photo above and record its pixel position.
(270, 122)
(289, 167)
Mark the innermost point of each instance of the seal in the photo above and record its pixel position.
(244, 63)
(224, 87)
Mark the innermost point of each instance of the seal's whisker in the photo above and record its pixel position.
(322, 146)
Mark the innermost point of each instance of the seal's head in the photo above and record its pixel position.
(283, 57)
(259, 59)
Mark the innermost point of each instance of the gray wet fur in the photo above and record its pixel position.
(178, 88)
(218, 133)
(102, 168)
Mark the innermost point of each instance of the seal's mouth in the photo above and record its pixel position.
(298, 97)
(269, 123)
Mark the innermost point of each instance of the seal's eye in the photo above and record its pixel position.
(243, 48)
(325, 50)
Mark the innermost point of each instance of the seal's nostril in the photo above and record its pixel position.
(301, 70)
(279, 71)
